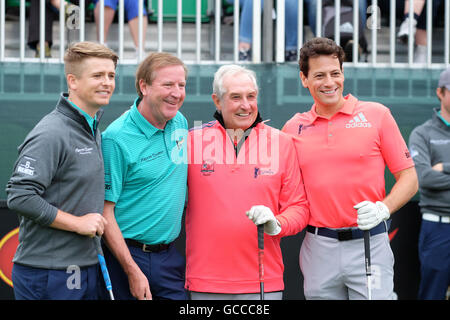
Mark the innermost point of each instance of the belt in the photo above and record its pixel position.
(148, 247)
(435, 218)
(346, 234)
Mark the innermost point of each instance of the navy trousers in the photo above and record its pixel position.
(434, 255)
(74, 283)
(164, 270)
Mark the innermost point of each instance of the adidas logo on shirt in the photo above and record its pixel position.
(358, 121)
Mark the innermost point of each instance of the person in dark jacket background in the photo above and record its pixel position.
(57, 184)
(430, 148)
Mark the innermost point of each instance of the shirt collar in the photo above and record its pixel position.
(442, 118)
(146, 127)
(92, 122)
(247, 132)
(347, 108)
(218, 116)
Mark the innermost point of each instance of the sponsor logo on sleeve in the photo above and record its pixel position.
(26, 166)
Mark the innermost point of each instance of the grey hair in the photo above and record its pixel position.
(230, 70)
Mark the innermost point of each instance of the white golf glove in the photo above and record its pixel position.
(263, 215)
(371, 214)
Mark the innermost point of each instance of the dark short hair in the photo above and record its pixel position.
(317, 47)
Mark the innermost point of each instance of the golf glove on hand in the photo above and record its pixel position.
(263, 215)
(371, 214)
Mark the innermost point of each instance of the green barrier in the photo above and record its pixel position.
(12, 3)
(188, 10)
(15, 4)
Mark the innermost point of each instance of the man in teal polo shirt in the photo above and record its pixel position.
(145, 159)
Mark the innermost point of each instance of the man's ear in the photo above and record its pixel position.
(304, 80)
(216, 100)
(440, 93)
(71, 81)
(143, 87)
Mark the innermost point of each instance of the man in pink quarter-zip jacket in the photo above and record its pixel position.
(241, 172)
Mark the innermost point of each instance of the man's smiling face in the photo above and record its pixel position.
(325, 82)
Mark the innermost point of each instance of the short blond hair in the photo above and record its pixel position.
(154, 61)
(78, 51)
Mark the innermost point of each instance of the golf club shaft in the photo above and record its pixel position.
(261, 258)
(369, 287)
(368, 263)
(101, 260)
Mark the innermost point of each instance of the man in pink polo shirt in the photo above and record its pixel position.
(241, 172)
(344, 145)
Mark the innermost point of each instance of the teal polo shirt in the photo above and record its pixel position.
(146, 175)
(442, 118)
(92, 122)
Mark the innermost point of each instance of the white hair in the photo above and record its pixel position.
(230, 70)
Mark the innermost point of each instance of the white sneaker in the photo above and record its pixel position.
(403, 31)
(420, 54)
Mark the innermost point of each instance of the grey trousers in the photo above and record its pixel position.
(244, 296)
(335, 270)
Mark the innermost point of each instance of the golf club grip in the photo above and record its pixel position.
(101, 260)
(367, 251)
(261, 236)
(261, 252)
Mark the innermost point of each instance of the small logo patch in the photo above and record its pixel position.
(84, 150)
(302, 127)
(26, 166)
(262, 172)
(207, 167)
(358, 121)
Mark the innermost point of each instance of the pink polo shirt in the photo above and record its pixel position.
(221, 242)
(343, 159)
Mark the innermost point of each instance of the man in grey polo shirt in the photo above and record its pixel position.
(430, 148)
(57, 186)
